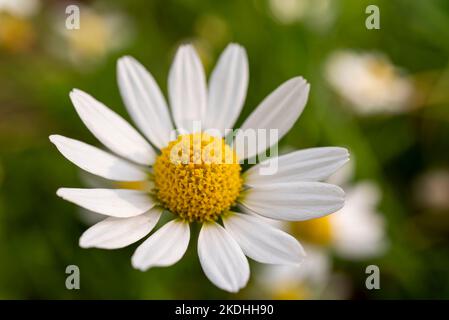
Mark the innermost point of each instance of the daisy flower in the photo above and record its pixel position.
(17, 32)
(100, 33)
(431, 189)
(20, 8)
(310, 281)
(369, 81)
(197, 176)
(318, 14)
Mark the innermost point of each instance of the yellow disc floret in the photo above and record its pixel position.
(197, 177)
(316, 231)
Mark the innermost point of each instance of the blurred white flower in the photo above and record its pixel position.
(306, 281)
(358, 229)
(20, 8)
(432, 189)
(17, 33)
(100, 33)
(288, 11)
(369, 82)
(318, 14)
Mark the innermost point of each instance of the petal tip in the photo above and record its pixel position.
(125, 59)
(60, 192)
(54, 138)
(75, 92)
(299, 80)
(138, 266)
(83, 243)
(234, 45)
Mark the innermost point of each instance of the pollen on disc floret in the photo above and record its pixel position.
(197, 177)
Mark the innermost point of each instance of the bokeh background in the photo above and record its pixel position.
(384, 94)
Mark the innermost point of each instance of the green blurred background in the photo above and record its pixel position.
(400, 143)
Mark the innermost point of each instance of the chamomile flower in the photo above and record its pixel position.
(290, 283)
(318, 14)
(17, 32)
(20, 8)
(197, 176)
(369, 81)
(99, 34)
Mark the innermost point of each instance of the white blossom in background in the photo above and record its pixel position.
(297, 283)
(100, 33)
(20, 8)
(358, 229)
(318, 14)
(369, 82)
(17, 32)
(431, 189)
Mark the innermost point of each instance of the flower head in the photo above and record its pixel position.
(17, 33)
(369, 81)
(196, 174)
(100, 33)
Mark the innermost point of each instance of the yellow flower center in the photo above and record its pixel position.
(316, 231)
(292, 292)
(197, 177)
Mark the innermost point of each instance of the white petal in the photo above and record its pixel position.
(144, 101)
(262, 242)
(227, 88)
(120, 203)
(221, 258)
(97, 161)
(278, 224)
(164, 248)
(187, 88)
(278, 111)
(112, 130)
(315, 164)
(294, 201)
(114, 233)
